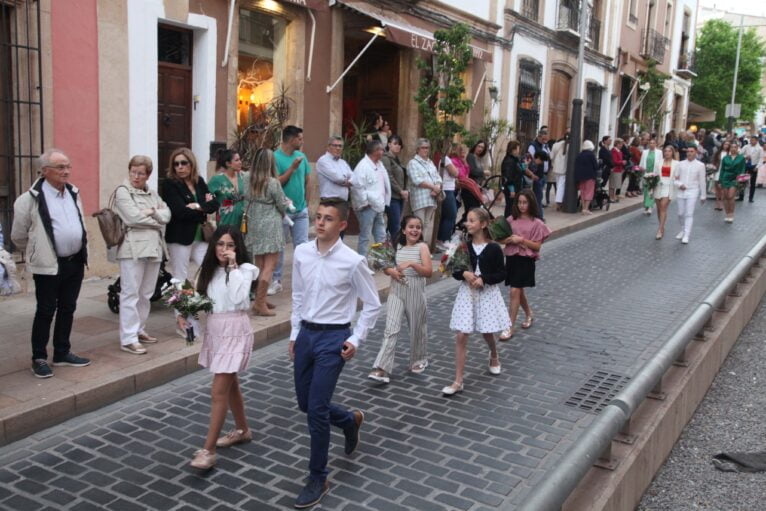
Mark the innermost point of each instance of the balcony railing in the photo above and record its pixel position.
(686, 67)
(530, 8)
(594, 32)
(569, 16)
(653, 45)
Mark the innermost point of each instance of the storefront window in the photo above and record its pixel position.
(261, 59)
(528, 103)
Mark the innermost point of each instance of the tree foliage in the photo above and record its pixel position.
(653, 109)
(441, 96)
(715, 57)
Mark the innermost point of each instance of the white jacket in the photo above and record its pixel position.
(365, 188)
(558, 158)
(657, 169)
(144, 235)
(691, 174)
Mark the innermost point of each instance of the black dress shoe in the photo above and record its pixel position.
(751, 201)
(352, 433)
(41, 369)
(70, 359)
(312, 493)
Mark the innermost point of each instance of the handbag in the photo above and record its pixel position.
(110, 223)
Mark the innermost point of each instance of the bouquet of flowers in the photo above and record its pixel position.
(499, 229)
(381, 256)
(710, 171)
(456, 257)
(742, 181)
(636, 170)
(182, 297)
(652, 179)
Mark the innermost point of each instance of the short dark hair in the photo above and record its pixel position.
(339, 204)
(396, 138)
(225, 156)
(539, 155)
(290, 132)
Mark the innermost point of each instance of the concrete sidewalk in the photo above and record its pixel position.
(28, 404)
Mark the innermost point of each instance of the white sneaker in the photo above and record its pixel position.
(685, 240)
(680, 235)
(134, 348)
(274, 288)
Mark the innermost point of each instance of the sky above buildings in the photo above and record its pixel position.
(752, 7)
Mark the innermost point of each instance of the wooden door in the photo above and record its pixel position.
(173, 112)
(558, 110)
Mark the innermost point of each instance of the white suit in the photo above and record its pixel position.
(690, 174)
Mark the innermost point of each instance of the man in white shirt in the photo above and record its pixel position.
(49, 219)
(333, 171)
(753, 154)
(689, 178)
(370, 194)
(328, 277)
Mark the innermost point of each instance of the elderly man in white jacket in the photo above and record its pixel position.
(370, 194)
(689, 178)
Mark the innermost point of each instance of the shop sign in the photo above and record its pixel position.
(422, 42)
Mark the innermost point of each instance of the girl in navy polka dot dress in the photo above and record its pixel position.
(479, 305)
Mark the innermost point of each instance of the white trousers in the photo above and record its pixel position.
(686, 214)
(405, 301)
(561, 181)
(138, 279)
(181, 255)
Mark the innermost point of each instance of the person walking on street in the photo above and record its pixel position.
(651, 162)
(370, 194)
(586, 173)
(717, 162)
(753, 154)
(559, 168)
(689, 178)
(293, 172)
(328, 278)
(513, 174)
(333, 172)
(265, 238)
(479, 305)
(48, 226)
(225, 277)
(664, 192)
(406, 299)
(425, 187)
(522, 250)
(732, 165)
(397, 176)
(144, 216)
(228, 189)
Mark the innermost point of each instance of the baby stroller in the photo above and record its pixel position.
(113, 291)
(484, 193)
(601, 194)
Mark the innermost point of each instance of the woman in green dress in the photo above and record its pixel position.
(265, 210)
(732, 165)
(227, 187)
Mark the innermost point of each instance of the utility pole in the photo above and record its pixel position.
(736, 72)
(575, 130)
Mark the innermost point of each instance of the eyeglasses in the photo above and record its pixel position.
(336, 145)
(181, 163)
(137, 174)
(424, 147)
(61, 167)
(224, 244)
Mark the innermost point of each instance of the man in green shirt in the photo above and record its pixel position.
(293, 170)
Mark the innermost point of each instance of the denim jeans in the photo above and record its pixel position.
(449, 215)
(394, 212)
(299, 233)
(371, 223)
(317, 366)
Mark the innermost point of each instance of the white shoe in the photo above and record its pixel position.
(382, 378)
(494, 370)
(274, 288)
(685, 240)
(134, 348)
(728, 220)
(453, 389)
(680, 235)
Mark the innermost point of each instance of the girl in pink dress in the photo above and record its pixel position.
(522, 249)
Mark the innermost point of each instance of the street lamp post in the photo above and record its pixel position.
(736, 72)
(575, 131)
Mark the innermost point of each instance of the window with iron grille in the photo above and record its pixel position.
(21, 119)
(530, 9)
(592, 119)
(528, 102)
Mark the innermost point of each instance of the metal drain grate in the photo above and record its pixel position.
(596, 393)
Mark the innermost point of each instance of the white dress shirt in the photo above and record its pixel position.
(692, 175)
(326, 286)
(65, 220)
(753, 153)
(234, 295)
(333, 172)
(370, 185)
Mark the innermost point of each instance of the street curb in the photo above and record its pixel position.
(657, 424)
(24, 419)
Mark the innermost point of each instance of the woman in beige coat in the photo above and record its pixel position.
(144, 215)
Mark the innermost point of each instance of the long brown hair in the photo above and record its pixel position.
(210, 262)
(533, 209)
(264, 169)
(185, 151)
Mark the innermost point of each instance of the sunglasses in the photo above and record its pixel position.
(181, 163)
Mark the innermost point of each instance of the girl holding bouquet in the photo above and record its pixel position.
(522, 249)
(664, 192)
(479, 305)
(732, 165)
(407, 298)
(225, 277)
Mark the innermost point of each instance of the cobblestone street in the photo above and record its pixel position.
(606, 299)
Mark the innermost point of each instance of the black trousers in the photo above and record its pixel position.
(548, 186)
(56, 295)
(753, 176)
(469, 202)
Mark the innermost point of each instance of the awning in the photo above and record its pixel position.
(698, 113)
(317, 5)
(404, 34)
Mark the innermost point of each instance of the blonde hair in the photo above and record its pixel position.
(483, 216)
(185, 151)
(140, 160)
(264, 169)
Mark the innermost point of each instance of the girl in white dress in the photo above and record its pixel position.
(225, 277)
(479, 305)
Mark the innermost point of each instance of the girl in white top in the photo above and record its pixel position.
(225, 277)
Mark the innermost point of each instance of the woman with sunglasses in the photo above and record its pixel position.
(190, 202)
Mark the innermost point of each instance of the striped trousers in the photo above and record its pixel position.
(405, 301)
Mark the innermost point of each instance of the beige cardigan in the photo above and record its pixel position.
(144, 235)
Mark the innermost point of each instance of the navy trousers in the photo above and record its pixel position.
(316, 368)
